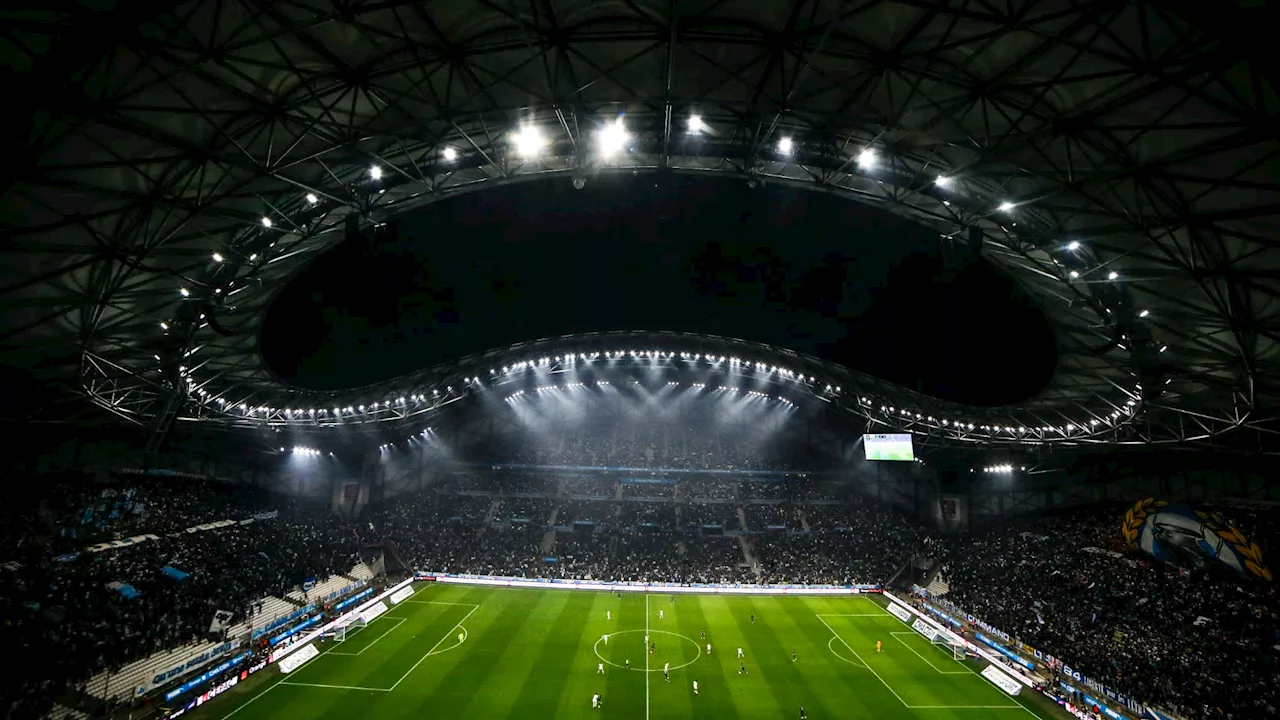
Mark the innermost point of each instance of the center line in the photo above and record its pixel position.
(646, 656)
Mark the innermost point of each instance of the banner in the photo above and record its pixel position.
(220, 622)
(401, 595)
(295, 660)
(924, 629)
(1002, 681)
(205, 677)
(372, 612)
(899, 612)
(174, 573)
(124, 589)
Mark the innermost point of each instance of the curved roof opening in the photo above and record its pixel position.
(792, 268)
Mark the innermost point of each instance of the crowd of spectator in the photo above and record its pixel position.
(1199, 643)
(70, 613)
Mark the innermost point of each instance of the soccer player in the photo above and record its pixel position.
(608, 614)
(879, 647)
(742, 669)
(704, 634)
(652, 647)
(695, 687)
(599, 668)
(740, 653)
(659, 614)
(753, 618)
(802, 715)
(628, 663)
(666, 671)
(793, 656)
(595, 701)
(708, 648)
(605, 637)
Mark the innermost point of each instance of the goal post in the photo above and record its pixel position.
(952, 646)
(345, 630)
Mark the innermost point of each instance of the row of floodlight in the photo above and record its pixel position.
(1002, 469)
(424, 433)
(545, 389)
(382, 406)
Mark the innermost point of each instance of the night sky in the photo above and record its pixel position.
(793, 268)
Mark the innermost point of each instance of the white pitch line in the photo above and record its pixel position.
(433, 648)
(864, 662)
(838, 655)
(907, 645)
(371, 642)
(646, 656)
(965, 707)
(335, 687)
(985, 681)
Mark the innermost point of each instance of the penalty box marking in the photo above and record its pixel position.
(430, 652)
(898, 636)
(895, 692)
(985, 682)
(400, 621)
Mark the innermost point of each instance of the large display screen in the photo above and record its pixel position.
(889, 447)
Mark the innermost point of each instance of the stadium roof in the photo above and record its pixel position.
(183, 161)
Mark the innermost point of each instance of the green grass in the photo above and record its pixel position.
(534, 654)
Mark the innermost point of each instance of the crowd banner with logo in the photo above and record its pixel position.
(1191, 538)
(220, 622)
(1001, 680)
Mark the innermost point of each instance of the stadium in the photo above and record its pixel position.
(906, 360)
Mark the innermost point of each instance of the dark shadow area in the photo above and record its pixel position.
(807, 271)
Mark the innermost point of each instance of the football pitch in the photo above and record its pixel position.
(480, 652)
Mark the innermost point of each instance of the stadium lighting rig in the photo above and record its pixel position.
(529, 141)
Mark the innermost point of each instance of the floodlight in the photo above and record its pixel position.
(695, 124)
(942, 181)
(1113, 275)
(450, 154)
(217, 257)
(867, 158)
(311, 198)
(375, 172)
(266, 222)
(1073, 245)
(784, 146)
(528, 141)
(1006, 206)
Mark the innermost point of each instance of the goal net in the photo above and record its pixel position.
(343, 631)
(951, 646)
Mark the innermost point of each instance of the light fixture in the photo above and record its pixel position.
(311, 198)
(1113, 275)
(1073, 245)
(450, 154)
(1005, 207)
(528, 141)
(942, 181)
(695, 124)
(375, 172)
(612, 138)
(867, 158)
(217, 257)
(784, 146)
(1074, 274)
(184, 292)
(1144, 313)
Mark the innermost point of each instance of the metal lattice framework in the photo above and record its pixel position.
(185, 160)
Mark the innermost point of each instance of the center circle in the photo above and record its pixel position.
(697, 649)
